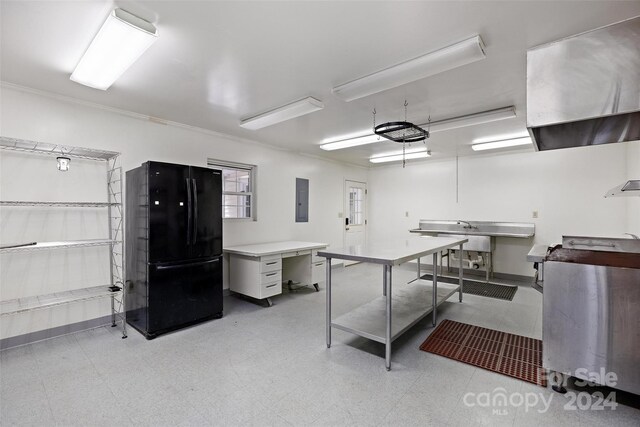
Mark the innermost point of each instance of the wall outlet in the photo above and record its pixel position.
(406, 214)
(534, 214)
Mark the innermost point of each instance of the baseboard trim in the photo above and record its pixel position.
(45, 334)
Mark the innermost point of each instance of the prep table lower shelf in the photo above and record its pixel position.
(411, 303)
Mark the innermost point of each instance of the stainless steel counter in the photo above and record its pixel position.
(477, 228)
(376, 320)
(537, 253)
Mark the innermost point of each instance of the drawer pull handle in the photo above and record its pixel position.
(319, 264)
(271, 274)
(272, 263)
(271, 286)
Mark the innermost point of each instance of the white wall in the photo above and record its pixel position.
(566, 187)
(32, 116)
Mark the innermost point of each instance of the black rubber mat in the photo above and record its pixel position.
(483, 289)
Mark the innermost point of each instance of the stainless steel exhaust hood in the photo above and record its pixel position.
(629, 188)
(585, 89)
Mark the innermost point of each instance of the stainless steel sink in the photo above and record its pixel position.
(478, 228)
(474, 243)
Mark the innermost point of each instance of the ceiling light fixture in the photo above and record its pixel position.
(502, 137)
(122, 39)
(281, 114)
(353, 142)
(447, 58)
(395, 156)
(482, 117)
(353, 135)
(502, 144)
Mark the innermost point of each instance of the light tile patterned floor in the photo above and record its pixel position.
(270, 366)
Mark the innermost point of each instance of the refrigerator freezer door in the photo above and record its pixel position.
(206, 289)
(168, 212)
(183, 294)
(206, 185)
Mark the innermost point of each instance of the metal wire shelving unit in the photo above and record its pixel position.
(114, 178)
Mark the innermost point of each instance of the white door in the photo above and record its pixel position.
(355, 221)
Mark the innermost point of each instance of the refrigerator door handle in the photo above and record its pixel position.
(195, 211)
(191, 264)
(188, 211)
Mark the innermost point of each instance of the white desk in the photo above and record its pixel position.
(258, 270)
(374, 320)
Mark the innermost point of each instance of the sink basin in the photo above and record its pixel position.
(478, 228)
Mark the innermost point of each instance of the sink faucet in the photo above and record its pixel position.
(468, 224)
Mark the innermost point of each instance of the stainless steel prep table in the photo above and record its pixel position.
(375, 320)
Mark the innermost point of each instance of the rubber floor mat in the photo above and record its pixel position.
(483, 289)
(508, 354)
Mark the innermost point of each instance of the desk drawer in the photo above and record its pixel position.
(270, 289)
(271, 263)
(318, 271)
(296, 253)
(270, 277)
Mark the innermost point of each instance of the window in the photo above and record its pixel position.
(238, 189)
(356, 214)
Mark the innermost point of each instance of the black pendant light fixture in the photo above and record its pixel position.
(403, 132)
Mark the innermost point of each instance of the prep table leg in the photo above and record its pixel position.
(328, 261)
(435, 288)
(418, 268)
(387, 345)
(487, 266)
(460, 276)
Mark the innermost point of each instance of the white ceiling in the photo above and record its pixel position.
(217, 62)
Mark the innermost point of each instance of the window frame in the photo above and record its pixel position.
(224, 164)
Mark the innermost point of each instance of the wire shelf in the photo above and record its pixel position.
(55, 149)
(21, 305)
(58, 204)
(28, 247)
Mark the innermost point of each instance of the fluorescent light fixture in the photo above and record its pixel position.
(122, 39)
(502, 144)
(503, 137)
(353, 135)
(353, 142)
(416, 153)
(281, 114)
(368, 137)
(471, 119)
(447, 58)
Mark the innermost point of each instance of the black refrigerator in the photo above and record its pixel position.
(173, 247)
